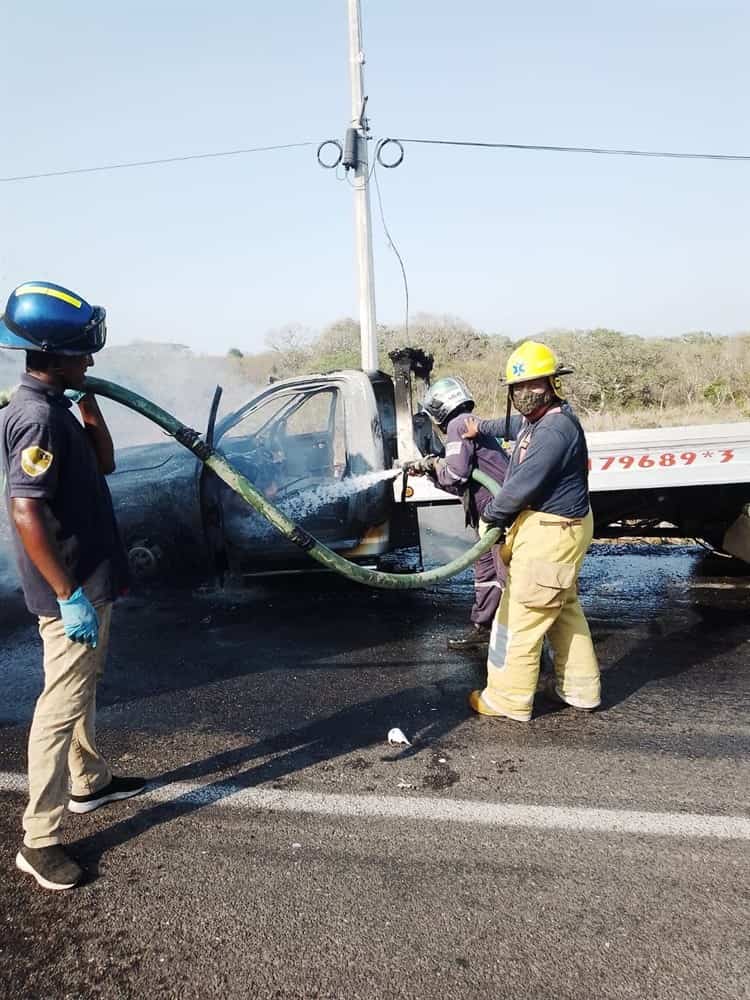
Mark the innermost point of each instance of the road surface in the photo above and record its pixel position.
(285, 850)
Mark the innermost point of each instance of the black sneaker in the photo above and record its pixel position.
(50, 866)
(475, 636)
(118, 788)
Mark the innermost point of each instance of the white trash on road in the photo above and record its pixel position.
(397, 738)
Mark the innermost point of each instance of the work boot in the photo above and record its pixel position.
(478, 703)
(474, 637)
(118, 788)
(50, 866)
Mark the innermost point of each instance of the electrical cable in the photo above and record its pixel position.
(151, 163)
(599, 151)
(382, 143)
(330, 142)
(391, 244)
(465, 143)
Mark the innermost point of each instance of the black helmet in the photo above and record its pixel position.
(444, 397)
(41, 316)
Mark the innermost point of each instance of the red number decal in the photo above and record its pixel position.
(645, 462)
(688, 457)
(606, 462)
(727, 455)
(665, 459)
(625, 461)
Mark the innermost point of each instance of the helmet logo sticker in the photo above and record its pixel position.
(35, 461)
(519, 368)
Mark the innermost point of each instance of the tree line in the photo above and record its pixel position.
(620, 379)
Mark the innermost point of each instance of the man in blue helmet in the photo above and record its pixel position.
(70, 559)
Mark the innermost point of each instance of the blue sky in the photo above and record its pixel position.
(215, 253)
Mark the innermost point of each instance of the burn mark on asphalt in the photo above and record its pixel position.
(506, 766)
(358, 764)
(441, 775)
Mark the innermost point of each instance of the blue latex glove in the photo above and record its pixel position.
(79, 619)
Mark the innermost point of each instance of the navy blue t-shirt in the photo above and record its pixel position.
(47, 455)
(548, 469)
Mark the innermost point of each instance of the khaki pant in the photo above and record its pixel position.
(544, 554)
(62, 739)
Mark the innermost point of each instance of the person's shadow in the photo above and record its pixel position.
(660, 655)
(351, 729)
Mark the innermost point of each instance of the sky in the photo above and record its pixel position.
(216, 253)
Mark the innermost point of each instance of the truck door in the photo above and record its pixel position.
(210, 507)
(292, 446)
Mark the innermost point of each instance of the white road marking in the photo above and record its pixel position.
(500, 814)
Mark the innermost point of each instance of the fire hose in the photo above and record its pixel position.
(213, 459)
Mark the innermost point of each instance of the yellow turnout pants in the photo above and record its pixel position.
(544, 554)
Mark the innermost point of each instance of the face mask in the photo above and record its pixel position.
(527, 400)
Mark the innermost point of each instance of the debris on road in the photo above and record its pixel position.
(397, 738)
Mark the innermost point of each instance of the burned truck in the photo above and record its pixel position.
(321, 447)
(326, 448)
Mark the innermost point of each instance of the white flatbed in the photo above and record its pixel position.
(668, 457)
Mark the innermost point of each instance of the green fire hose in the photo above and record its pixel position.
(218, 464)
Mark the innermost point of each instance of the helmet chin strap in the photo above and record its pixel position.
(508, 406)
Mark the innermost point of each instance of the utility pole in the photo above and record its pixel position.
(362, 216)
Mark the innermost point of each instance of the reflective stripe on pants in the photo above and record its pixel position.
(489, 579)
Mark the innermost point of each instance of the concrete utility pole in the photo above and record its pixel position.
(362, 216)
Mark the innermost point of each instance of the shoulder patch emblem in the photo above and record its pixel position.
(35, 461)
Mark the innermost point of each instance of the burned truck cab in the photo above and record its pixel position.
(324, 448)
(316, 447)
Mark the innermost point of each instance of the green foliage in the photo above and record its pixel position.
(620, 379)
(337, 346)
(717, 392)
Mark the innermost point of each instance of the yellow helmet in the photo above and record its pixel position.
(534, 360)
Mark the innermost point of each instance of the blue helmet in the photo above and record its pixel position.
(41, 316)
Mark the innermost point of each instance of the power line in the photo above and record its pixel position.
(152, 163)
(465, 143)
(659, 153)
(392, 245)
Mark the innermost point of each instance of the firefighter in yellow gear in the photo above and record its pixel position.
(544, 508)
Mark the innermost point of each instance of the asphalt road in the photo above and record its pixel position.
(285, 850)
